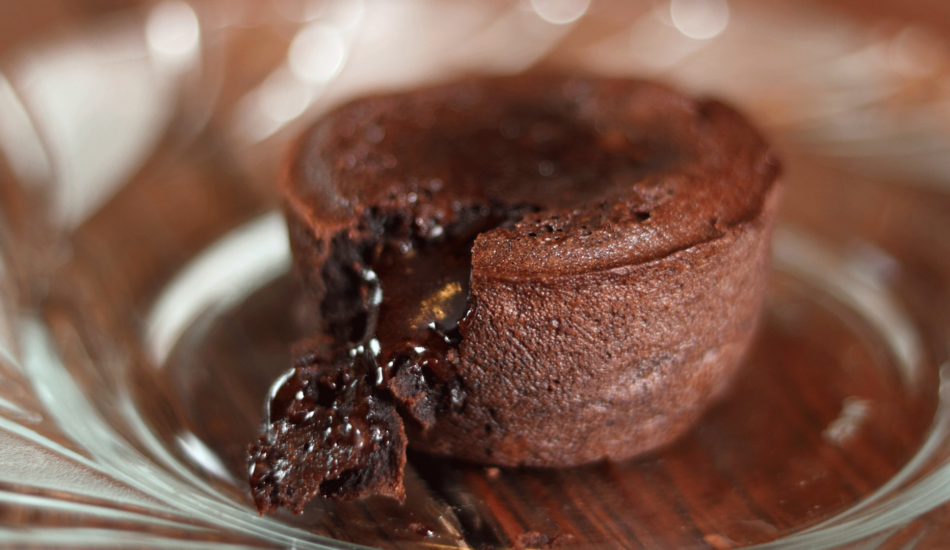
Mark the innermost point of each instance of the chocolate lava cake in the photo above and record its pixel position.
(537, 270)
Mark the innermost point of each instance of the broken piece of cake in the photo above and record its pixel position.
(538, 270)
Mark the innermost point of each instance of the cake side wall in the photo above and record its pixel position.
(650, 347)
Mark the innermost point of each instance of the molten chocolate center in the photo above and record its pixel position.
(396, 305)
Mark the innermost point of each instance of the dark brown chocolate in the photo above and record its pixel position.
(536, 270)
(329, 435)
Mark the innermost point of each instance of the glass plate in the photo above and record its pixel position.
(145, 306)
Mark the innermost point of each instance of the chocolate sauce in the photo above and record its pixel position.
(425, 295)
(327, 434)
(335, 422)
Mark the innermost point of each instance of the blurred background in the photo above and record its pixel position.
(90, 90)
